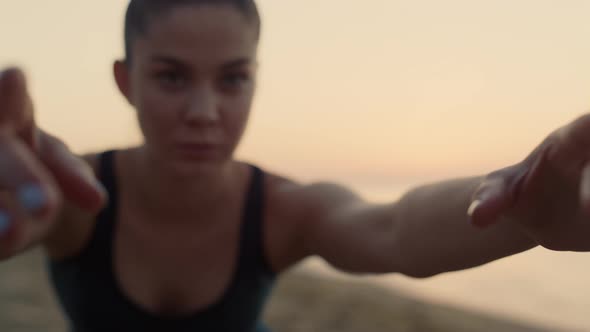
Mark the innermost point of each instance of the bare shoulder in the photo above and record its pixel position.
(74, 226)
(291, 209)
(292, 199)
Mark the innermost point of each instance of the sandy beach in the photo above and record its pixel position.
(303, 302)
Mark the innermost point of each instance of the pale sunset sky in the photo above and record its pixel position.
(376, 94)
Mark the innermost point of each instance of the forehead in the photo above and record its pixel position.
(205, 34)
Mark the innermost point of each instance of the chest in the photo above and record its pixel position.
(174, 270)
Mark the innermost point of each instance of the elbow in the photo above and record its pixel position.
(416, 267)
(412, 270)
(419, 273)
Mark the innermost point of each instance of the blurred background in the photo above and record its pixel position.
(380, 95)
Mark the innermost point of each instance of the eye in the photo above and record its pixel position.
(171, 79)
(235, 81)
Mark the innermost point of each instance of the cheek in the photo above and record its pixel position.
(156, 117)
(236, 118)
(155, 107)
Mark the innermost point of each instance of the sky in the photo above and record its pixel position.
(377, 94)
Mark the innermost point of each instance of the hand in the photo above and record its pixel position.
(548, 193)
(37, 171)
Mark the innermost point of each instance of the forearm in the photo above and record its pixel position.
(433, 233)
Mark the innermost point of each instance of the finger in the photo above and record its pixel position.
(27, 179)
(495, 196)
(578, 131)
(16, 107)
(73, 175)
(489, 202)
(567, 148)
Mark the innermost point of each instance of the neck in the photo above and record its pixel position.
(165, 191)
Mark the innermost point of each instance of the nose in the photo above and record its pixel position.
(203, 107)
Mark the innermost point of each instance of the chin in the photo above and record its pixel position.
(183, 164)
(192, 168)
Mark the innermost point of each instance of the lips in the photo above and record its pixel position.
(198, 150)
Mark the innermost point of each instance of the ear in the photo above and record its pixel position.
(121, 73)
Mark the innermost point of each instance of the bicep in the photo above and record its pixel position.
(348, 232)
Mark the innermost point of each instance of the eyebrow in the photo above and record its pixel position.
(166, 59)
(237, 63)
(175, 62)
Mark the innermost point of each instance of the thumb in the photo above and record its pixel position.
(16, 107)
(74, 176)
(495, 196)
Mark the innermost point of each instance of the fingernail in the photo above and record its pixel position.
(492, 188)
(32, 198)
(100, 187)
(473, 207)
(4, 222)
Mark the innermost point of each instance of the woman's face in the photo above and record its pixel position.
(192, 81)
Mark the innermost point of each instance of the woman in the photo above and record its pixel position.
(191, 239)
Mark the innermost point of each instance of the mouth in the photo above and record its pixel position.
(198, 151)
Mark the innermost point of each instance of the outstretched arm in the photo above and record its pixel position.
(457, 224)
(424, 233)
(37, 172)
